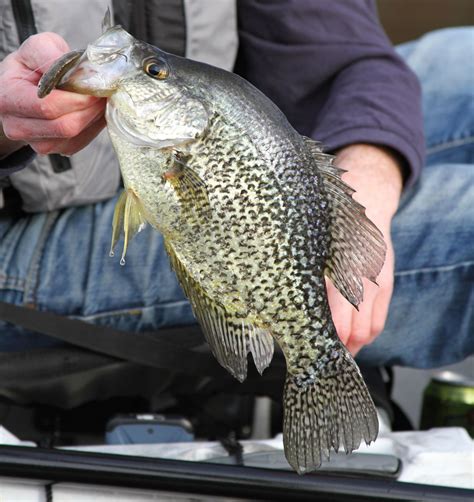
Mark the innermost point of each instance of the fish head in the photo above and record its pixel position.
(156, 106)
(153, 98)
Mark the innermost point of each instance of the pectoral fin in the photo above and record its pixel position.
(128, 220)
(190, 189)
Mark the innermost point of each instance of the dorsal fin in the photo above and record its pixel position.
(357, 248)
(230, 337)
(107, 21)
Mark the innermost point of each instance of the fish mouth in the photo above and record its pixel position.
(102, 65)
(95, 71)
(86, 78)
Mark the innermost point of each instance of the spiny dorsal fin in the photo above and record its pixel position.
(107, 21)
(231, 338)
(357, 248)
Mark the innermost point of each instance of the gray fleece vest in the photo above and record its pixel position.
(204, 30)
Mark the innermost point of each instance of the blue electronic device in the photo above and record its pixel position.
(148, 428)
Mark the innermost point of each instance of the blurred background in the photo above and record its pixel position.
(405, 20)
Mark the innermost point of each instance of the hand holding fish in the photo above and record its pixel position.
(376, 175)
(63, 122)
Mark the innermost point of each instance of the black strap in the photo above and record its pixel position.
(5, 182)
(24, 18)
(155, 350)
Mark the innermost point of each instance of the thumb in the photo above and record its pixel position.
(39, 52)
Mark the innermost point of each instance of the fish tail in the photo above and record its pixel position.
(326, 405)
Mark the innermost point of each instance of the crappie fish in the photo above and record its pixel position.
(254, 216)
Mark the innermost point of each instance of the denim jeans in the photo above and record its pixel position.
(59, 261)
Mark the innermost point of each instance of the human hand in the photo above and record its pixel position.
(375, 173)
(63, 122)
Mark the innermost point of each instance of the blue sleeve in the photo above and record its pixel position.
(331, 69)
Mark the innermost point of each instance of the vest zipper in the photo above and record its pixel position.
(24, 19)
(26, 26)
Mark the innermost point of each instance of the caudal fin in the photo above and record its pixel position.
(327, 406)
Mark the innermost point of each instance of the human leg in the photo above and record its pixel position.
(431, 318)
(59, 262)
(444, 65)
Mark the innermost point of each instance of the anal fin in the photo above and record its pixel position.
(230, 337)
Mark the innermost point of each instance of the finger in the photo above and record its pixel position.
(41, 50)
(66, 126)
(341, 312)
(20, 99)
(354, 347)
(381, 308)
(380, 313)
(362, 320)
(71, 146)
(382, 300)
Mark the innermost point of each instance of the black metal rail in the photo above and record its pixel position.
(207, 479)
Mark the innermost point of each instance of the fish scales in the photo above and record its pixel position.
(254, 216)
(242, 238)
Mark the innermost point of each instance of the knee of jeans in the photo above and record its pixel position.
(443, 62)
(442, 59)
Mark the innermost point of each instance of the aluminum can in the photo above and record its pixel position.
(448, 401)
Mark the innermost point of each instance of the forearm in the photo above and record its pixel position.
(375, 101)
(330, 68)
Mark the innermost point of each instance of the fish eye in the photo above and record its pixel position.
(156, 68)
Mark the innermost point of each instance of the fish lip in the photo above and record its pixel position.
(84, 78)
(102, 64)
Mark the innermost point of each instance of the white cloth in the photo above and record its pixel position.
(7, 438)
(443, 456)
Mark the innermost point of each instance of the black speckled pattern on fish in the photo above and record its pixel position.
(254, 216)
